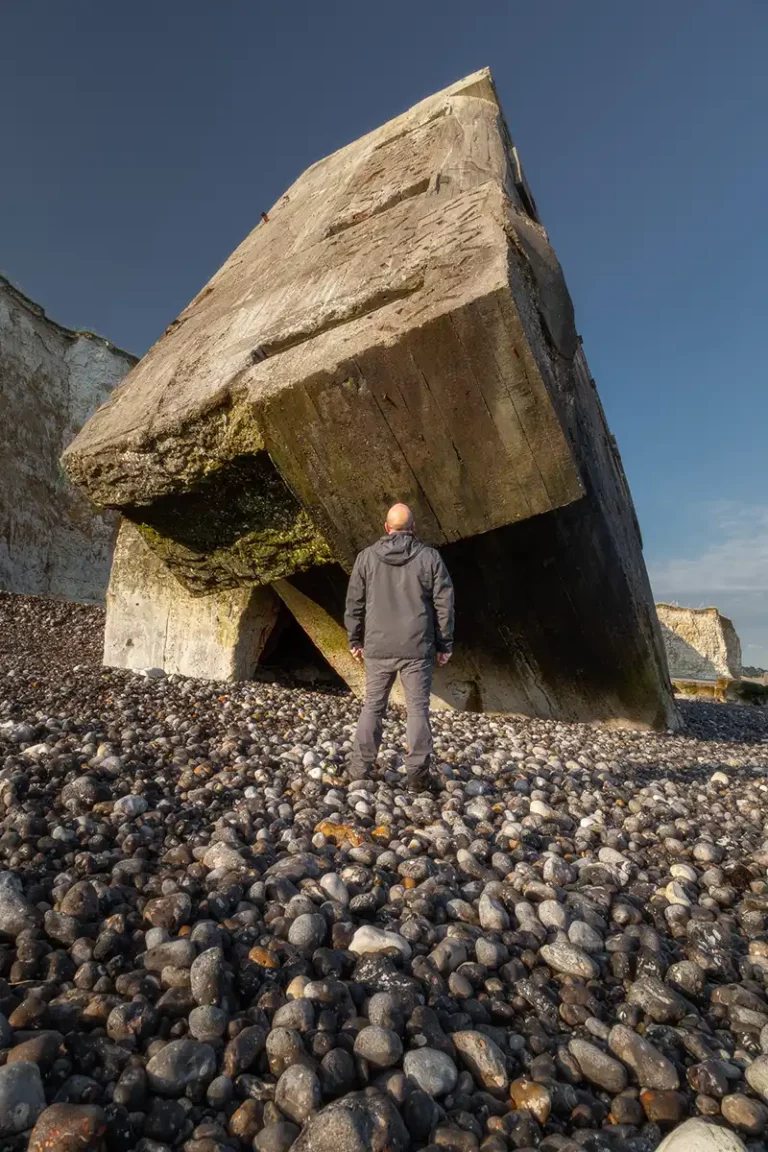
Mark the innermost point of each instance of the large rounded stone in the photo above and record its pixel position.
(224, 857)
(493, 915)
(68, 1128)
(379, 941)
(756, 1076)
(308, 931)
(651, 1067)
(207, 976)
(80, 901)
(171, 954)
(242, 1052)
(22, 1098)
(483, 1058)
(208, 1023)
(360, 1122)
(698, 1136)
(298, 1014)
(569, 959)
(381, 1047)
(181, 1064)
(657, 1000)
(297, 1094)
(277, 1137)
(169, 912)
(745, 1113)
(433, 1071)
(17, 914)
(598, 1067)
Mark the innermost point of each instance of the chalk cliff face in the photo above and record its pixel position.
(399, 328)
(701, 644)
(52, 541)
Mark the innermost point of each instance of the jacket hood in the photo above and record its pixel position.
(398, 548)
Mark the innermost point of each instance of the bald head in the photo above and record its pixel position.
(399, 518)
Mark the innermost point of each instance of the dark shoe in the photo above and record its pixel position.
(360, 771)
(424, 780)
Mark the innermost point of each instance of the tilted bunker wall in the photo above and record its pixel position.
(399, 328)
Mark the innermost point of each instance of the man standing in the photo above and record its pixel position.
(399, 616)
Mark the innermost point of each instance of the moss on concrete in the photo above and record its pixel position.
(239, 525)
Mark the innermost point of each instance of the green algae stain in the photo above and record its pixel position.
(240, 524)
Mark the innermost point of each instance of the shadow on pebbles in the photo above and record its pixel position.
(211, 940)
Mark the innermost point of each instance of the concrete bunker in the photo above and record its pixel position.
(398, 328)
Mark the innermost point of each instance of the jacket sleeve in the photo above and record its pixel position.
(354, 614)
(442, 598)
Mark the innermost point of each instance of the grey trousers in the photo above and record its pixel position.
(416, 678)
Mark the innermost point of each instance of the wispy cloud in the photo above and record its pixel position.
(735, 561)
(730, 572)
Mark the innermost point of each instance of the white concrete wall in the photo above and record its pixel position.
(52, 541)
(153, 622)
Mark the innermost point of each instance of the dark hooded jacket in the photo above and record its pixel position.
(400, 600)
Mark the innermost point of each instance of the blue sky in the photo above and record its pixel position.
(141, 141)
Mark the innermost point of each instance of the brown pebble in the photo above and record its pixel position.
(744, 1113)
(263, 957)
(68, 1128)
(41, 1050)
(247, 1120)
(707, 1105)
(664, 1107)
(534, 1098)
(627, 1109)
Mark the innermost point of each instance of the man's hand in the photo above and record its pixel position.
(357, 653)
(443, 658)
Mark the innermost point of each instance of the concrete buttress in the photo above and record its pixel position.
(153, 622)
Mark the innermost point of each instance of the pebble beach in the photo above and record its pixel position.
(212, 940)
